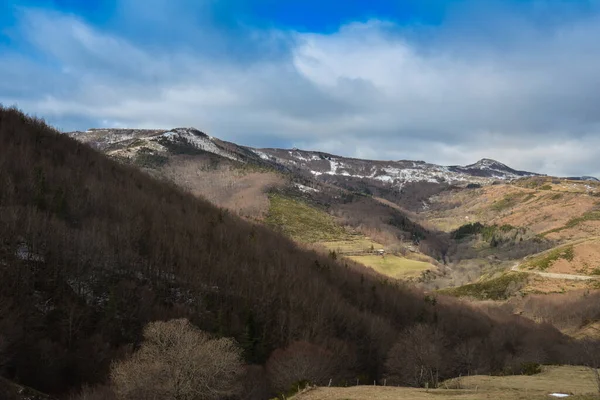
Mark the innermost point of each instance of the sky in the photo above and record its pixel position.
(448, 82)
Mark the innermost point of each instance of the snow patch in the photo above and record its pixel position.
(262, 155)
(24, 253)
(305, 189)
(201, 142)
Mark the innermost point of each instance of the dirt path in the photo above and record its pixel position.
(554, 275)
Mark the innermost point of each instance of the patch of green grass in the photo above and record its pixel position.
(303, 222)
(545, 261)
(499, 288)
(546, 187)
(394, 266)
(507, 228)
(556, 196)
(595, 271)
(508, 201)
(528, 197)
(588, 216)
(360, 244)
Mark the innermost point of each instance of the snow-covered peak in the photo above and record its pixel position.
(488, 163)
(127, 142)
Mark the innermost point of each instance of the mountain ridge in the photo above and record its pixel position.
(315, 163)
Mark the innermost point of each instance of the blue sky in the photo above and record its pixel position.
(442, 81)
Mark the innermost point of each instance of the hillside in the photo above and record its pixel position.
(353, 208)
(91, 250)
(244, 181)
(520, 223)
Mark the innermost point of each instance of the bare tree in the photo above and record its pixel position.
(591, 358)
(3, 346)
(417, 357)
(178, 361)
(300, 362)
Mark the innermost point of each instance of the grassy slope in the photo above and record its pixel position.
(359, 244)
(541, 206)
(559, 210)
(577, 381)
(303, 222)
(545, 261)
(308, 224)
(394, 266)
(498, 288)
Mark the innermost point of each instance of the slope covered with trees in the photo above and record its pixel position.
(92, 250)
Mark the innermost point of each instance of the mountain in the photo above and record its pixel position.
(393, 173)
(252, 185)
(491, 169)
(407, 184)
(91, 250)
(583, 178)
(128, 143)
(132, 144)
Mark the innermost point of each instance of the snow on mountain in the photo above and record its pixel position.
(584, 178)
(395, 173)
(127, 143)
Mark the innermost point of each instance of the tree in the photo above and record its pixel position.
(300, 363)
(417, 357)
(591, 358)
(178, 361)
(3, 345)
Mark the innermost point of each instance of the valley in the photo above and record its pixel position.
(106, 236)
(299, 200)
(484, 232)
(396, 217)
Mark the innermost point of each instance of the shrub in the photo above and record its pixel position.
(531, 368)
(468, 230)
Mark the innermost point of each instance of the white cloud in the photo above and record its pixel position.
(368, 90)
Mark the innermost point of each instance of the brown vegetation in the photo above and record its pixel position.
(243, 191)
(178, 361)
(302, 363)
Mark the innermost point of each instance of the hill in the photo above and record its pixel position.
(282, 196)
(91, 250)
(353, 208)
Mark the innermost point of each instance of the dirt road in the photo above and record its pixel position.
(554, 275)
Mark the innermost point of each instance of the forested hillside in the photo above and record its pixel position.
(92, 250)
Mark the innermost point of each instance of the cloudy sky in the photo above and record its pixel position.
(448, 82)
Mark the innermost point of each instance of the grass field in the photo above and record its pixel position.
(355, 245)
(578, 382)
(394, 266)
(303, 222)
(308, 224)
(563, 379)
